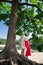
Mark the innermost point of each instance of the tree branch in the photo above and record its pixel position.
(28, 4)
(20, 4)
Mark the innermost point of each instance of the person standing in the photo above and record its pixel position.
(25, 46)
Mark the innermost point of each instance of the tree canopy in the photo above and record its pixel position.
(22, 17)
(30, 18)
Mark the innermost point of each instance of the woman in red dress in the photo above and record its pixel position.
(25, 47)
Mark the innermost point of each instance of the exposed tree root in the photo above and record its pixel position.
(21, 60)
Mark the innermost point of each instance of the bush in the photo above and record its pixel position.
(39, 48)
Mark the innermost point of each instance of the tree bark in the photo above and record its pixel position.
(10, 48)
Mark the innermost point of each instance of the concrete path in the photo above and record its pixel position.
(35, 56)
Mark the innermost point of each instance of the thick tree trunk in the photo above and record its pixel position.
(10, 48)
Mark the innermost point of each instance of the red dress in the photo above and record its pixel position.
(28, 53)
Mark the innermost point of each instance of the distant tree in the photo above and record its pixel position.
(2, 41)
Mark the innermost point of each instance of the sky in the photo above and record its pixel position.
(3, 30)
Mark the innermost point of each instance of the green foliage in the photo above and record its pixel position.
(17, 42)
(2, 41)
(5, 10)
(19, 0)
(30, 20)
(26, 0)
(34, 1)
(4, 16)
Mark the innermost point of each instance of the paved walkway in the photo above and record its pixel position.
(35, 56)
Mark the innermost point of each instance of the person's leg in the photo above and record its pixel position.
(25, 51)
(22, 52)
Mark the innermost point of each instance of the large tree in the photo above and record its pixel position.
(26, 21)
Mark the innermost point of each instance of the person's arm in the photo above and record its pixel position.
(25, 51)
